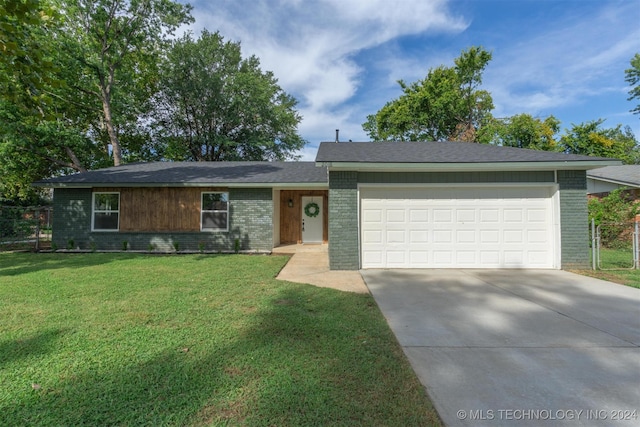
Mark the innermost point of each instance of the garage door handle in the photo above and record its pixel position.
(302, 224)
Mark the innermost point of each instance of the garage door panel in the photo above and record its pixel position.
(443, 258)
(396, 236)
(395, 258)
(512, 215)
(466, 215)
(537, 215)
(489, 215)
(442, 215)
(396, 215)
(513, 236)
(489, 236)
(443, 236)
(370, 237)
(457, 227)
(537, 236)
(418, 215)
(419, 236)
(466, 236)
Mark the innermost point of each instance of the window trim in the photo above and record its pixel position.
(94, 211)
(202, 211)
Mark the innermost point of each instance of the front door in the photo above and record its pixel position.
(312, 219)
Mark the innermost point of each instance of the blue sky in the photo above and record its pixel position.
(341, 59)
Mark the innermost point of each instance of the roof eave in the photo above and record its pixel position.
(185, 184)
(469, 167)
(614, 181)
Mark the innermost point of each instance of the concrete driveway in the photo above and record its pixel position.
(517, 347)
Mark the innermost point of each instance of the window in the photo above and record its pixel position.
(215, 212)
(106, 212)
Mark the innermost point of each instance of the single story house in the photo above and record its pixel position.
(378, 205)
(602, 181)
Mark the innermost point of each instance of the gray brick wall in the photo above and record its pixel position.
(574, 219)
(344, 253)
(250, 222)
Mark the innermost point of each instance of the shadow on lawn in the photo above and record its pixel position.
(15, 264)
(33, 346)
(300, 362)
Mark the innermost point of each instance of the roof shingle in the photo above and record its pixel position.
(197, 173)
(625, 174)
(437, 152)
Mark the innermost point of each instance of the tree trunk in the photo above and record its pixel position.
(105, 90)
(113, 136)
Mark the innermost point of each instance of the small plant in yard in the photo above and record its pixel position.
(92, 246)
(176, 246)
(201, 246)
(125, 245)
(54, 246)
(236, 245)
(71, 244)
(151, 247)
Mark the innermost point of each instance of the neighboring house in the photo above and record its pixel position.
(379, 205)
(602, 181)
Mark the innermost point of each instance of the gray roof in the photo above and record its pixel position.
(625, 174)
(438, 152)
(196, 174)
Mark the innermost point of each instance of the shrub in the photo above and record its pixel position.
(615, 214)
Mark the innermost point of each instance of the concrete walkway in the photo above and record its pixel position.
(310, 264)
(517, 347)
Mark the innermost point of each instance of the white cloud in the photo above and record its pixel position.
(310, 45)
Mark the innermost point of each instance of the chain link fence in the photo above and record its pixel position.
(25, 228)
(615, 245)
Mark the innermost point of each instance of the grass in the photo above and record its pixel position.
(131, 339)
(616, 265)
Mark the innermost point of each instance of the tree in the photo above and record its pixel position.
(521, 131)
(22, 58)
(591, 140)
(117, 44)
(95, 63)
(215, 106)
(446, 105)
(632, 76)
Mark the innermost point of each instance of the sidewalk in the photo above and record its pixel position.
(310, 264)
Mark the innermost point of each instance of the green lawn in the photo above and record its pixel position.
(615, 264)
(130, 339)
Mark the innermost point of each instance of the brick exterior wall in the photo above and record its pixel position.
(344, 251)
(250, 223)
(574, 219)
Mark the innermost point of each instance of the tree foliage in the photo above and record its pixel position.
(615, 214)
(521, 131)
(632, 76)
(447, 104)
(25, 62)
(592, 140)
(97, 66)
(117, 44)
(214, 105)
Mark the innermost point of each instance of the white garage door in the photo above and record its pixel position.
(456, 227)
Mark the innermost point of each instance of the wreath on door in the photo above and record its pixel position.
(312, 210)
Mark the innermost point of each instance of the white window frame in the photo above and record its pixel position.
(94, 211)
(203, 211)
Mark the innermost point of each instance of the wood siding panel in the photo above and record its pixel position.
(166, 209)
(291, 218)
